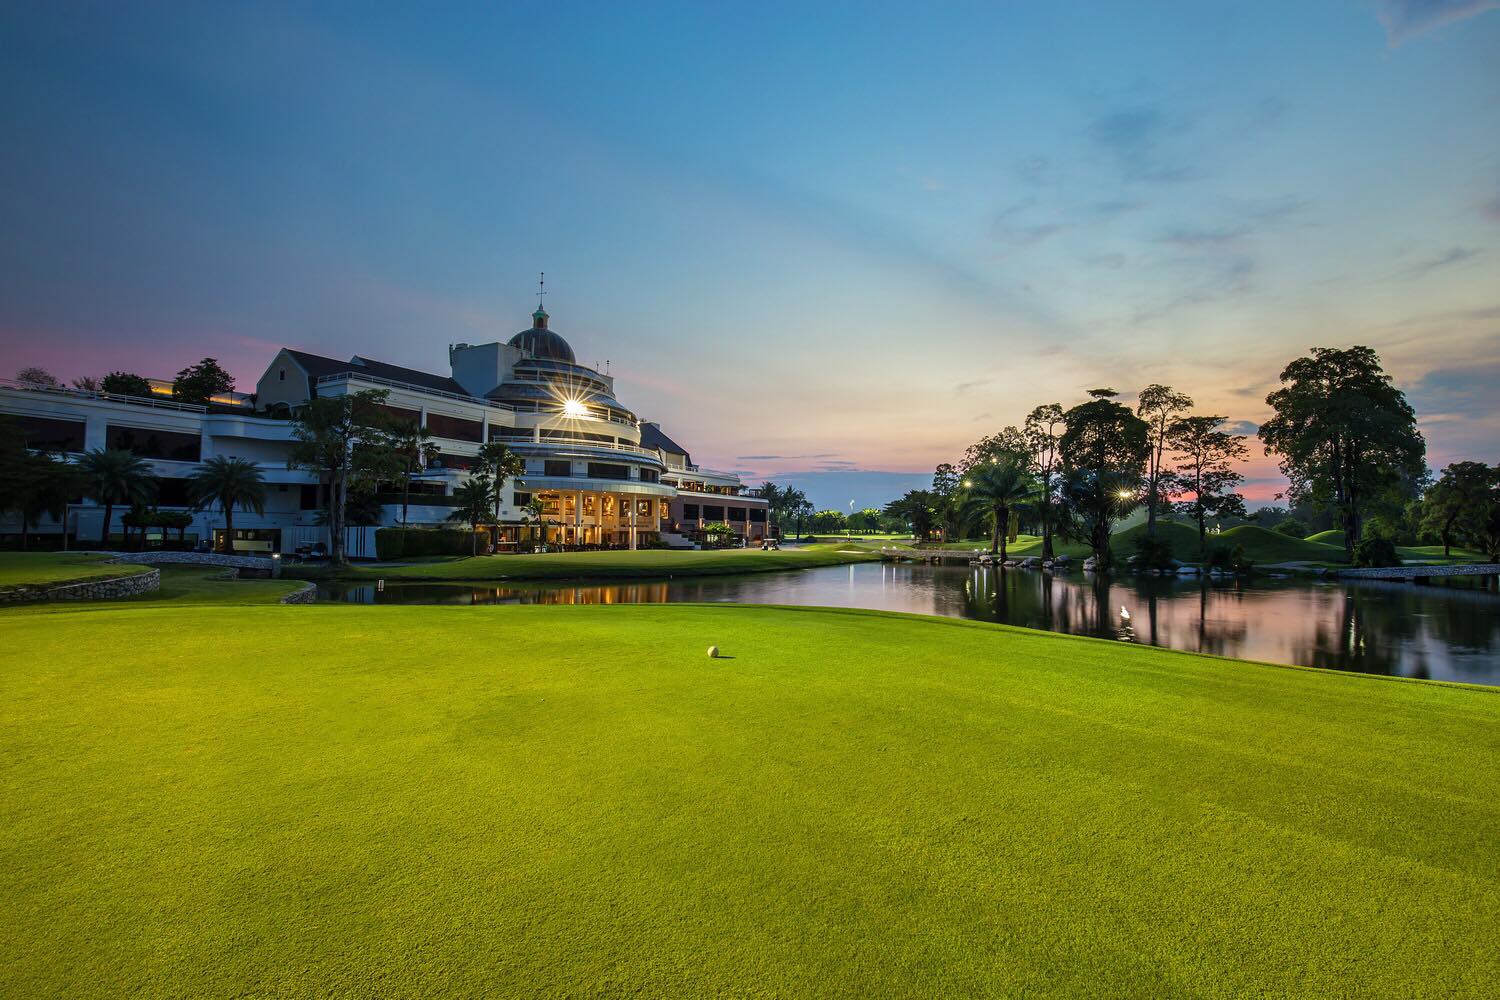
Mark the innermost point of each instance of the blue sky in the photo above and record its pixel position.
(831, 242)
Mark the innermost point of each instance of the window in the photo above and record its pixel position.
(713, 512)
(173, 493)
(736, 513)
(650, 476)
(757, 515)
(665, 510)
(455, 428)
(309, 499)
(690, 511)
(554, 467)
(147, 443)
(47, 434)
(588, 505)
(281, 375)
(448, 460)
(401, 415)
(523, 499)
(604, 470)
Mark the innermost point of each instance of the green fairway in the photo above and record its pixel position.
(406, 801)
(182, 585)
(645, 564)
(19, 569)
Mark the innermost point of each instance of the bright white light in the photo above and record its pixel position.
(574, 408)
(1124, 494)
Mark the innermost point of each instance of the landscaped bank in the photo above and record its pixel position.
(429, 801)
(616, 565)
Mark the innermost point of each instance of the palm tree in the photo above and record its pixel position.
(112, 476)
(533, 513)
(414, 444)
(994, 490)
(774, 500)
(36, 484)
(500, 464)
(228, 481)
(474, 497)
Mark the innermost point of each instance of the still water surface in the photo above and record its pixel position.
(1438, 632)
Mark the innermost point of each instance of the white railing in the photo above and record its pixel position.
(409, 387)
(112, 397)
(580, 443)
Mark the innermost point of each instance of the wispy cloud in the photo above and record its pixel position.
(1454, 255)
(1140, 139)
(1011, 227)
(964, 387)
(1406, 19)
(1196, 239)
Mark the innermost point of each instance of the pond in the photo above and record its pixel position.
(1439, 632)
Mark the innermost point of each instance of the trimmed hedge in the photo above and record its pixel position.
(389, 543)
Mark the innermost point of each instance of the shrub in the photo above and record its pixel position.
(1293, 527)
(389, 543)
(1153, 553)
(1230, 559)
(1376, 551)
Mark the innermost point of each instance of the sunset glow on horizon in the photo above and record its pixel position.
(834, 285)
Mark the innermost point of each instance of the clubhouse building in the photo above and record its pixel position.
(603, 477)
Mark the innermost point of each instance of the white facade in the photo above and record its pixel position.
(585, 460)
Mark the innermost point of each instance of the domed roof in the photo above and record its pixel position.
(541, 342)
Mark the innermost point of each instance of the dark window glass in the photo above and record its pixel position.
(757, 515)
(401, 415)
(554, 467)
(650, 475)
(603, 470)
(172, 493)
(713, 512)
(456, 428)
(309, 499)
(47, 434)
(736, 513)
(690, 511)
(498, 433)
(149, 443)
(523, 499)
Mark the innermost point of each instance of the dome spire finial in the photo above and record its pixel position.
(540, 316)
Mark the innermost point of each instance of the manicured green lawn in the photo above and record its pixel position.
(408, 801)
(651, 563)
(180, 585)
(25, 568)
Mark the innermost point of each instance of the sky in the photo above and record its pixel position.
(830, 244)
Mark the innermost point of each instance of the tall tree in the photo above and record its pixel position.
(114, 476)
(918, 509)
(1008, 443)
(1207, 474)
(500, 464)
(473, 497)
(229, 482)
(125, 384)
(771, 493)
(1103, 451)
(86, 383)
(947, 483)
(1043, 430)
(413, 445)
(37, 378)
(995, 491)
(342, 440)
(1456, 505)
(201, 382)
(1346, 437)
(1159, 406)
(33, 484)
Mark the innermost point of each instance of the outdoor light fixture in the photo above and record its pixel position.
(1124, 494)
(574, 408)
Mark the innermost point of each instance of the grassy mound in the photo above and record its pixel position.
(1263, 545)
(1332, 536)
(646, 564)
(546, 800)
(26, 569)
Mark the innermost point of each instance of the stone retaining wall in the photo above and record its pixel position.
(305, 594)
(104, 589)
(272, 566)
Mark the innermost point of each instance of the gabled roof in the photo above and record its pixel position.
(317, 366)
(652, 437)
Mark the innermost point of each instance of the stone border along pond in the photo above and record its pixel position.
(98, 589)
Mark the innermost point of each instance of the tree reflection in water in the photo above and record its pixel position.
(1443, 632)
